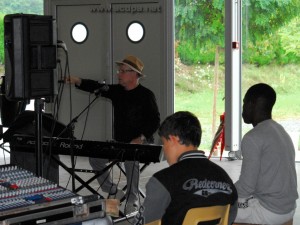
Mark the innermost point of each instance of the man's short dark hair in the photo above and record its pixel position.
(264, 91)
(183, 124)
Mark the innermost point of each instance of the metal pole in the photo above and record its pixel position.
(38, 104)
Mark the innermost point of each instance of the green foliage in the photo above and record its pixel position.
(264, 17)
(190, 54)
(200, 23)
(271, 32)
(16, 6)
(261, 53)
(1, 39)
(21, 6)
(193, 55)
(289, 36)
(272, 49)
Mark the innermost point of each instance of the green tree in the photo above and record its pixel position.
(290, 37)
(1, 39)
(16, 6)
(199, 20)
(199, 24)
(21, 6)
(264, 17)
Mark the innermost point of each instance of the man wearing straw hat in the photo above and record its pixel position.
(136, 118)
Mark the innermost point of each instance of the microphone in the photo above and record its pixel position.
(101, 89)
(62, 44)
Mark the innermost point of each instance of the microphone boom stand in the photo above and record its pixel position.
(71, 125)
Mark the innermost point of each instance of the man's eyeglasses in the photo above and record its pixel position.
(124, 71)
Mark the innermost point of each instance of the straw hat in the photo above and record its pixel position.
(133, 63)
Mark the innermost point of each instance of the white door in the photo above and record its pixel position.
(88, 57)
(143, 22)
(107, 40)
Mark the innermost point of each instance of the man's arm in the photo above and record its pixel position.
(250, 168)
(73, 80)
(151, 113)
(84, 84)
(232, 213)
(156, 201)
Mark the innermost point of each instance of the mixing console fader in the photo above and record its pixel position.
(25, 197)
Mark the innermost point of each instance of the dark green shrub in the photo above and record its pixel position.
(192, 55)
(1, 39)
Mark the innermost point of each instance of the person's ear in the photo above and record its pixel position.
(175, 139)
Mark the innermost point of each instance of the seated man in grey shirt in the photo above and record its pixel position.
(267, 186)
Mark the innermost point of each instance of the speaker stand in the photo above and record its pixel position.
(38, 106)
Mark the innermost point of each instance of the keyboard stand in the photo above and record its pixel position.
(69, 170)
(85, 184)
(141, 170)
(81, 181)
(99, 173)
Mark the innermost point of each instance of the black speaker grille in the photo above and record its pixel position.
(30, 56)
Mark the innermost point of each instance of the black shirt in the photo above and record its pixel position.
(135, 111)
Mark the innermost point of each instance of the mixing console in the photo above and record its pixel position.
(21, 188)
(26, 199)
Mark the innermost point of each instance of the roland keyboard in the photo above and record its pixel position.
(97, 149)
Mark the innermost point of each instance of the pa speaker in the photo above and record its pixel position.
(30, 57)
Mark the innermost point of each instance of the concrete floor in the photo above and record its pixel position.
(232, 168)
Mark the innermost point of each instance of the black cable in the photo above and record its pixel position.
(4, 150)
(82, 135)
(120, 174)
(129, 186)
(71, 134)
(56, 104)
(86, 118)
(104, 180)
(140, 220)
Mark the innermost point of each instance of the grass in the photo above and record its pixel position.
(195, 87)
(1, 70)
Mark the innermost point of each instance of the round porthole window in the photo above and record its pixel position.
(79, 33)
(135, 32)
